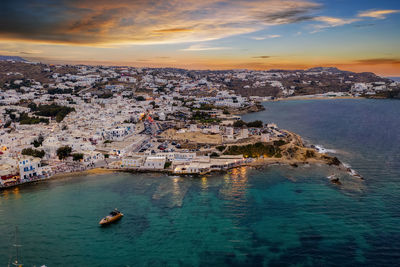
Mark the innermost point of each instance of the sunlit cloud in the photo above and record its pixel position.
(271, 36)
(173, 30)
(378, 14)
(329, 22)
(203, 47)
(93, 22)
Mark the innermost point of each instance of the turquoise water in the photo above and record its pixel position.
(250, 217)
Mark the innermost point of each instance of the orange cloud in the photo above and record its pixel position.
(144, 22)
(378, 61)
(378, 14)
(328, 22)
(173, 30)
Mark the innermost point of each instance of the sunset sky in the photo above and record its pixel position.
(356, 35)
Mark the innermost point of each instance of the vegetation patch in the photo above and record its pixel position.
(25, 119)
(252, 124)
(33, 152)
(54, 110)
(167, 164)
(64, 152)
(221, 148)
(38, 141)
(255, 150)
(77, 156)
(203, 117)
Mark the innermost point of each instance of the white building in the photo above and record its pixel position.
(31, 168)
(154, 163)
(132, 162)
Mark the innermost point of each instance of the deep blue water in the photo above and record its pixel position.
(249, 217)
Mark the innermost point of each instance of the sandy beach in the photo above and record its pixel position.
(86, 172)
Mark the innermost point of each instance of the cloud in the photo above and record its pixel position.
(259, 38)
(262, 57)
(202, 47)
(364, 25)
(378, 61)
(329, 22)
(106, 22)
(173, 30)
(30, 52)
(295, 12)
(334, 22)
(378, 14)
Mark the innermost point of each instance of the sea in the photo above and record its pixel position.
(268, 216)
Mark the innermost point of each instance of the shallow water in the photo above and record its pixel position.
(276, 215)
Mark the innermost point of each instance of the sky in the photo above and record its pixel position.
(355, 35)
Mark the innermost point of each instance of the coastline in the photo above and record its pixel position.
(256, 163)
(289, 160)
(290, 98)
(97, 170)
(60, 175)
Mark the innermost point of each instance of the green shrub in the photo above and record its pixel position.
(221, 148)
(253, 150)
(64, 152)
(54, 110)
(33, 152)
(77, 156)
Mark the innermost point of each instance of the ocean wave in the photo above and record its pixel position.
(346, 165)
(351, 171)
(324, 150)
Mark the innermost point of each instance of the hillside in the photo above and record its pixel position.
(13, 58)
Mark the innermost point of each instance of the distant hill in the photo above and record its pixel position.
(305, 82)
(326, 69)
(13, 58)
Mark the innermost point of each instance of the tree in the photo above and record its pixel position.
(38, 141)
(64, 152)
(33, 152)
(32, 106)
(25, 119)
(214, 155)
(77, 156)
(167, 164)
(254, 150)
(221, 148)
(7, 124)
(239, 123)
(54, 110)
(255, 124)
(252, 124)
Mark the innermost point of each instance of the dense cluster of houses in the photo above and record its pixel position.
(105, 130)
(118, 116)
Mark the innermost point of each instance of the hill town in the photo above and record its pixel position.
(57, 119)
